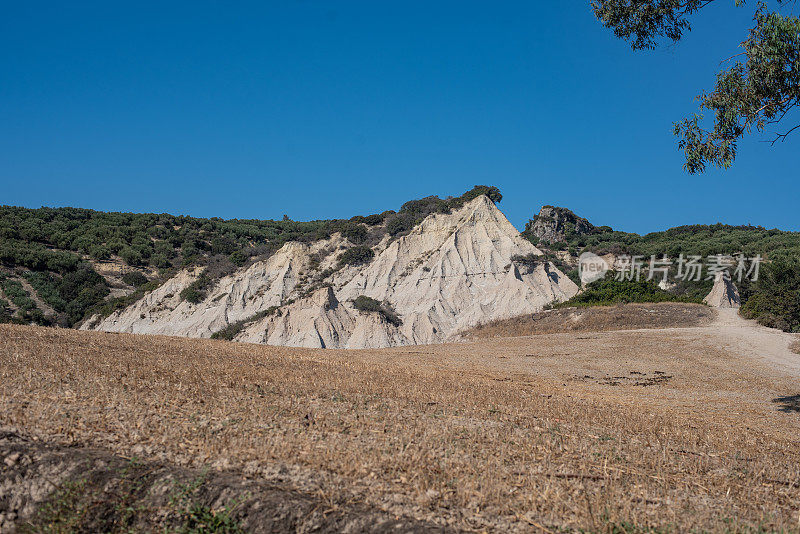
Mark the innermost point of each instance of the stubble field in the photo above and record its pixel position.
(663, 430)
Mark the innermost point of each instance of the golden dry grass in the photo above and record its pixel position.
(562, 431)
(597, 319)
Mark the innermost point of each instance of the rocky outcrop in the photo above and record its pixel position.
(449, 273)
(724, 294)
(555, 225)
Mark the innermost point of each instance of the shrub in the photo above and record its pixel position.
(27, 311)
(196, 291)
(367, 304)
(490, 191)
(238, 258)
(232, 330)
(356, 256)
(134, 278)
(397, 225)
(160, 261)
(774, 299)
(529, 259)
(131, 256)
(375, 219)
(100, 252)
(5, 311)
(609, 291)
(47, 287)
(356, 233)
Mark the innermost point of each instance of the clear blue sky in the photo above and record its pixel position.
(324, 109)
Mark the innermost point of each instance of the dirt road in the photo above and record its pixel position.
(750, 339)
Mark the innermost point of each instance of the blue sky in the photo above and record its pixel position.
(331, 109)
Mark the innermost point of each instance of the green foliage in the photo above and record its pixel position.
(399, 224)
(5, 311)
(702, 240)
(202, 519)
(490, 191)
(414, 212)
(238, 258)
(356, 233)
(770, 300)
(775, 297)
(51, 243)
(753, 93)
(642, 23)
(108, 307)
(748, 95)
(367, 304)
(134, 278)
(198, 518)
(196, 291)
(82, 289)
(47, 286)
(534, 260)
(609, 291)
(27, 310)
(531, 260)
(356, 256)
(35, 256)
(64, 512)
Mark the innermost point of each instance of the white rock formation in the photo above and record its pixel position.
(450, 273)
(724, 293)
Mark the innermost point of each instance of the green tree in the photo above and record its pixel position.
(759, 87)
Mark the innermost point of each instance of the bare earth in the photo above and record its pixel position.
(674, 428)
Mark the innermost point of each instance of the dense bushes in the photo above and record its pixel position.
(27, 310)
(356, 256)
(415, 211)
(196, 291)
(370, 305)
(608, 291)
(5, 311)
(28, 236)
(54, 243)
(774, 299)
(134, 278)
(702, 240)
(355, 233)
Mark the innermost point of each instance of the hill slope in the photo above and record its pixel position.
(450, 272)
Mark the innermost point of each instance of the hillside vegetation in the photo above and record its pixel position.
(773, 300)
(60, 265)
(59, 251)
(609, 291)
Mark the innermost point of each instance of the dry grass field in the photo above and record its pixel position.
(597, 319)
(662, 430)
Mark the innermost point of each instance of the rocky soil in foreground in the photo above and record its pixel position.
(49, 488)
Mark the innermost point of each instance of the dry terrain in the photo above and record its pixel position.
(681, 429)
(597, 319)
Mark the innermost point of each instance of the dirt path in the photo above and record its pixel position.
(749, 339)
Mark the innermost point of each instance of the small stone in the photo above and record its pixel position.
(11, 459)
